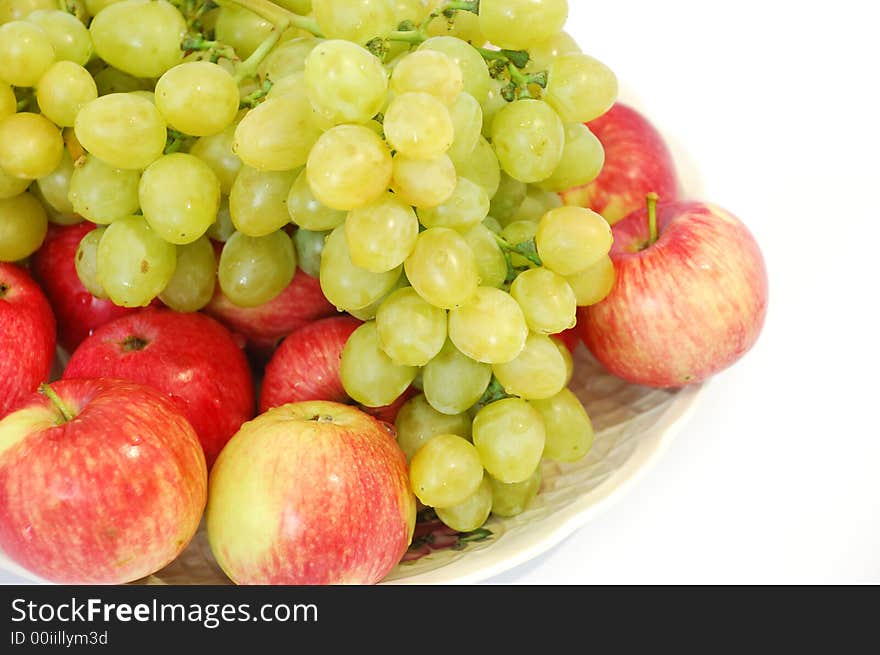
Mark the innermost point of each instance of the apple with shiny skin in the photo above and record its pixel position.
(686, 305)
(190, 357)
(27, 336)
(637, 162)
(101, 482)
(310, 493)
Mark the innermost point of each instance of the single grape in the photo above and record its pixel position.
(355, 20)
(467, 207)
(112, 80)
(369, 312)
(102, 193)
(593, 284)
(258, 200)
(278, 134)
(417, 423)
(423, 183)
(518, 233)
(568, 427)
(442, 268)
(30, 145)
(474, 72)
(567, 358)
(23, 226)
(122, 129)
(306, 211)
(518, 24)
(414, 11)
(197, 98)
(241, 29)
(490, 328)
(12, 186)
(529, 139)
(254, 270)
(222, 228)
(463, 25)
(419, 126)
(411, 330)
(471, 513)
(195, 275)
(445, 471)
(543, 54)
(349, 167)
(570, 239)
(86, 262)
(68, 35)
(547, 300)
(381, 235)
(495, 102)
(481, 166)
(8, 101)
(286, 58)
(511, 499)
(134, 264)
(509, 435)
(492, 225)
(536, 204)
(290, 84)
(94, 6)
(491, 263)
(216, 152)
(139, 37)
(63, 90)
(368, 375)
(467, 120)
(580, 88)
(11, 10)
(582, 160)
(26, 52)
(54, 188)
(345, 285)
(509, 198)
(540, 370)
(428, 71)
(453, 382)
(179, 195)
(309, 246)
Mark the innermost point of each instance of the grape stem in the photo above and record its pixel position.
(66, 412)
(248, 68)
(527, 249)
(252, 99)
(653, 233)
(275, 14)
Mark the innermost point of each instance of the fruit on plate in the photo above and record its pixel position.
(27, 336)
(310, 493)
(690, 297)
(637, 162)
(189, 357)
(78, 311)
(101, 482)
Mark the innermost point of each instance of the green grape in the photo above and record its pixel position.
(467, 207)
(536, 204)
(111, 80)
(453, 382)
(417, 423)
(11, 10)
(538, 372)
(414, 11)
(518, 24)
(258, 201)
(345, 83)
(26, 52)
(423, 183)
(287, 58)
(582, 159)
(346, 286)
(492, 225)
(509, 198)
(382, 234)
(68, 35)
(8, 101)
(63, 90)
(23, 226)
(411, 331)
(568, 427)
(192, 285)
(593, 284)
(307, 212)
(570, 239)
(511, 499)
(482, 167)
(222, 228)
(474, 72)
(442, 268)
(529, 140)
(122, 129)
(509, 435)
(467, 119)
(86, 262)
(516, 233)
(547, 300)
(355, 20)
(277, 135)
(102, 193)
(349, 167)
(254, 270)
(491, 328)
(491, 263)
(428, 71)
(580, 88)
(464, 25)
(179, 195)
(289, 84)
(566, 357)
(94, 6)
(197, 98)
(368, 375)
(445, 471)
(216, 152)
(309, 246)
(494, 103)
(30, 145)
(134, 264)
(369, 312)
(139, 37)
(301, 7)
(54, 187)
(12, 186)
(543, 54)
(419, 126)
(471, 513)
(241, 29)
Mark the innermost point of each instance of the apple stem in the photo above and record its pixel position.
(49, 392)
(653, 198)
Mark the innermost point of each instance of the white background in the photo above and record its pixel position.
(771, 107)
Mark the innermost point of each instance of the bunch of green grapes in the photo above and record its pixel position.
(408, 153)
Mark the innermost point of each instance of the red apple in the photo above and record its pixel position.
(637, 162)
(78, 311)
(310, 493)
(101, 482)
(683, 308)
(265, 326)
(190, 357)
(27, 336)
